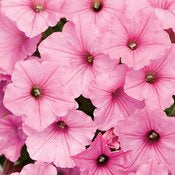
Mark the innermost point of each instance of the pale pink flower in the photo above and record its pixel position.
(77, 49)
(113, 104)
(97, 12)
(111, 139)
(14, 45)
(99, 160)
(12, 137)
(152, 167)
(149, 134)
(154, 83)
(164, 9)
(67, 136)
(33, 16)
(136, 41)
(37, 93)
(68, 171)
(38, 168)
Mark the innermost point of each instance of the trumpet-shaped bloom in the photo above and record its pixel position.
(14, 45)
(38, 168)
(137, 40)
(12, 137)
(149, 134)
(67, 136)
(97, 12)
(164, 9)
(77, 49)
(98, 159)
(154, 83)
(33, 16)
(113, 104)
(36, 92)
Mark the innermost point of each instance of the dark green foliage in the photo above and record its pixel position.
(85, 105)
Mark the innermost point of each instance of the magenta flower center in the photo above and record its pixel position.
(102, 160)
(36, 92)
(97, 5)
(117, 93)
(152, 137)
(132, 45)
(62, 125)
(151, 78)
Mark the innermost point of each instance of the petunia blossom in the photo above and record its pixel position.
(154, 83)
(149, 134)
(37, 93)
(38, 168)
(153, 168)
(98, 159)
(14, 45)
(12, 137)
(137, 40)
(77, 49)
(33, 16)
(164, 9)
(67, 136)
(113, 104)
(97, 12)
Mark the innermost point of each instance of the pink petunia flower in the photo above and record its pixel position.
(77, 49)
(164, 9)
(152, 167)
(113, 104)
(111, 139)
(136, 41)
(99, 160)
(37, 93)
(38, 168)
(12, 137)
(67, 136)
(97, 12)
(149, 134)
(68, 171)
(154, 83)
(14, 45)
(33, 16)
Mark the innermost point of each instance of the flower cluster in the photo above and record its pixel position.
(86, 87)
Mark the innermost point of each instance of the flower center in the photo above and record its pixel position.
(97, 5)
(102, 160)
(132, 45)
(117, 93)
(153, 136)
(36, 92)
(62, 125)
(39, 8)
(150, 78)
(90, 59)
